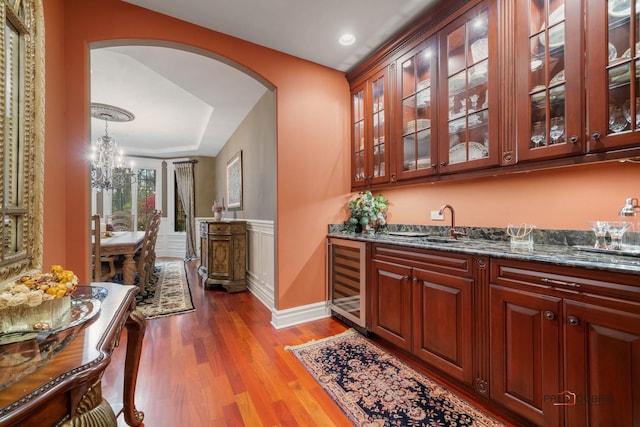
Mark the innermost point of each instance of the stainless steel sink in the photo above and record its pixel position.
(416, 235)
(441, 239)
(407, 234)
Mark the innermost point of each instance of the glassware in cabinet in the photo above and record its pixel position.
(358, 135)
(370, 155)
(613, 101)
(468, 75)
(417, 71)
(549, 56)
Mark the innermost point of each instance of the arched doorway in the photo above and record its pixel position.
(191, 104)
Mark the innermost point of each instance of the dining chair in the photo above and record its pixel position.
(101, 272)
(145, 257)
(120, 221)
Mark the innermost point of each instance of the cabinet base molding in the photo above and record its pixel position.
(228, 285)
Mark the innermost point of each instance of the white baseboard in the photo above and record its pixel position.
(302, 314)
(260, 291)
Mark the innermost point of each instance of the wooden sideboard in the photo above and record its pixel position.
(223, 254)
(66, 389)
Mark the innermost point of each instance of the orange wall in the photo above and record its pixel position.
(312, 142)
(556, 199)
(312, 130)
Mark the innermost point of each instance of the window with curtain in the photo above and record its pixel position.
(22, 137)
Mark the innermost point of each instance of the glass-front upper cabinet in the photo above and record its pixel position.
(370, 158)
(549, 76)
(466, 97)
(417, 82)
(613, 61)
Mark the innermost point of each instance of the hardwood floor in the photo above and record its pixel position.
(225, 365)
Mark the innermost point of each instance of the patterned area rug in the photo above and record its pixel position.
(374, 388)
(168, 293)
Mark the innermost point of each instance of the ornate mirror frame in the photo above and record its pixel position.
(21, 136)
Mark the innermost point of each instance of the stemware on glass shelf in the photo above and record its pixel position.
(626, 110)
(600, 229)
(474, 102)
(557, 129)
(538, 135)
(616, 231)
(617, 122)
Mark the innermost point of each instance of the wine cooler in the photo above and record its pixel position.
(347, 278)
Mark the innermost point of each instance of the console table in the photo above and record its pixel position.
(223, 254)
(66, 389)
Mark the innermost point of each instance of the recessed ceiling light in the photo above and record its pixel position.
(347, 39)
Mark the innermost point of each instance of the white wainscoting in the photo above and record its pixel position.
(170, 244)
(261, 261)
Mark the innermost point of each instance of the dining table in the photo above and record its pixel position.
(54, 377)
(125, 243)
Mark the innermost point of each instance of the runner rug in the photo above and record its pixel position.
(168, 293)
(374, 388)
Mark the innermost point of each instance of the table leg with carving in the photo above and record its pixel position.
(128, 269)
(135, 325)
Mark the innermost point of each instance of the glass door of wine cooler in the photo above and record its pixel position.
(347, 278)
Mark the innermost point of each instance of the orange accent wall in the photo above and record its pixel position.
(563, 198)
(312, 130)
(312, 142)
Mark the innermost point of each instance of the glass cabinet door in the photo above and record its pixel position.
(357, 135)
(549, 59)
(468, 139)
(614, 68)
(370, 156)
(417, 78)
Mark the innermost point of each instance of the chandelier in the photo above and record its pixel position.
(108, 170)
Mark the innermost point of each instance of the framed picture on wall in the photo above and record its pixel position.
(234, 182)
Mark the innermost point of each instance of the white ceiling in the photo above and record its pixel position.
(181, 111)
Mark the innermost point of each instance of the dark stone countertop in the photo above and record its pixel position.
(558, 247)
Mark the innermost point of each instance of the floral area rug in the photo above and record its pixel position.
(374, 388)
(168, 294)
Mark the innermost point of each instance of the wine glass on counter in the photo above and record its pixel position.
(600, 229)
(616, 231)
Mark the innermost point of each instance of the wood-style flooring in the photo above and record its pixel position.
(225, 365)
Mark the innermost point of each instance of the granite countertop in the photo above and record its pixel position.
(557, 247)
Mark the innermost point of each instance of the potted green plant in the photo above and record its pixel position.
(368, 213)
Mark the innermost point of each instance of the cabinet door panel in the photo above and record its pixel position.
(525, 373)
(391, 303)
(467, 92)
(603, 365)
(613, 98)
(416, 154)
(370, 137)
(442, 307)
(549, 59)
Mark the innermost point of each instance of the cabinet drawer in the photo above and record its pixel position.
(446, 262)
(568, 280)
(219, 228)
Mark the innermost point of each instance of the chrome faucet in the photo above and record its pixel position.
(453, 232)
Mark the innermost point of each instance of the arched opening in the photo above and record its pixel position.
(189, 104)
